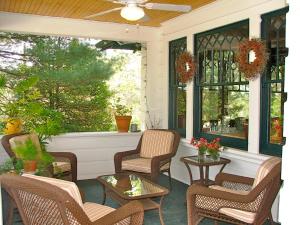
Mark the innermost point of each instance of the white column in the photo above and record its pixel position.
(254, 96)
(190, 95)
(290, 154)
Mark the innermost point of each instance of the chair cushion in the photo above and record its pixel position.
(68, 186)
(245, 216)
(61, 167)
(156, 142)
(21, 139)
(96, 211)
(142, 165)
(220, 188)
(265, 168)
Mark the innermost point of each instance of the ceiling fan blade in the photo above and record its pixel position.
(168, 7)
(104, 12)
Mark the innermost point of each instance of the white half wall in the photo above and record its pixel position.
(94, 150)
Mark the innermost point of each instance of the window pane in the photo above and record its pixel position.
(276, 118)
(223, 90)
(181, 107)
(225, 111)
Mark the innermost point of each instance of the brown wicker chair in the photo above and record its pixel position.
(42, 203)
(152, 156)
(65, 165)
(236, 199)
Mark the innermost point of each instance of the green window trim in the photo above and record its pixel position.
(272, 81)
(177, 90)
(222, 80)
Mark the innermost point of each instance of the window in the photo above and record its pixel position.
(221, 91)
(273, 95)
(177, 90)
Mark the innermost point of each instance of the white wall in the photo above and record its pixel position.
(95, 151)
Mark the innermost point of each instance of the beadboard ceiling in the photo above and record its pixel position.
(79, 9)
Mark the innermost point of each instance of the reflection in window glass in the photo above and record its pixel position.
(223, 89)
(181, 107)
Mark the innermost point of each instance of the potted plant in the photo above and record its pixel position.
(122, 116)
(33, 159)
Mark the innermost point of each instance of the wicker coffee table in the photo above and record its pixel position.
(125, 187)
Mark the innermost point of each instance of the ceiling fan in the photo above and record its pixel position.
(133, 9)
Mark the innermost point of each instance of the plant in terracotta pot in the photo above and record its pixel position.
(122, 116)
(34, 159)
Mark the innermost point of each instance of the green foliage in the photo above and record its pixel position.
(121, 109)
(26, 151)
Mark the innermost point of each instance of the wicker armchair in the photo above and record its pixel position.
(152, 156)
(65, 165)
(236, 199)
(42, 203)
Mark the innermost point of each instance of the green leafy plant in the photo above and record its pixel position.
(121, 109)
(26, 151)
(29, 151)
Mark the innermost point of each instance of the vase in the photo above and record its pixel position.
(215, 156)
(201, 156)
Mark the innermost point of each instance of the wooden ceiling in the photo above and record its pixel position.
(79, 9)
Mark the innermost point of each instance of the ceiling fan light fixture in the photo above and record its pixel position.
(132, 12)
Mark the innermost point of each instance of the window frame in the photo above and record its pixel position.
(173, 87)
(226, 141)
(265, 146)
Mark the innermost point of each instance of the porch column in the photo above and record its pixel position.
(189, 94)
(254, 96)
(290, 153)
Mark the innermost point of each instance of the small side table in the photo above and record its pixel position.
(203, 163)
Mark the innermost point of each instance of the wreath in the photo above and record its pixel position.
(185, 66)
(255, 68)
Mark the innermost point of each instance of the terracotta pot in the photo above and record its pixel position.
(13, 126)
(30, 165)
(123, 123)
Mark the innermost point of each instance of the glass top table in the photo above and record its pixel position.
(125, 187)
(203, 163)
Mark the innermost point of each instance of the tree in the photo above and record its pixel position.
(71, 73)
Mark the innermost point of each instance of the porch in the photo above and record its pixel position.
(95, 150)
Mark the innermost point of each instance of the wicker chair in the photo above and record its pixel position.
(236, 199)
(65, 165)
(152, 156)
(42, 203)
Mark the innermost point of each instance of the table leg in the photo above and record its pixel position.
(160, 211)
(190, 172)
(202, 178)
(206, 175)
(104, 194)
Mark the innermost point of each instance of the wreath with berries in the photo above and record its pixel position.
(185, 66)
(252, 69)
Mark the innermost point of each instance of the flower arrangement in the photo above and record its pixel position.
(204, 147)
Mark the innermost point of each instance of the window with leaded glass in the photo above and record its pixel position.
(221, 90)
(177, 90)
(273, 95)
